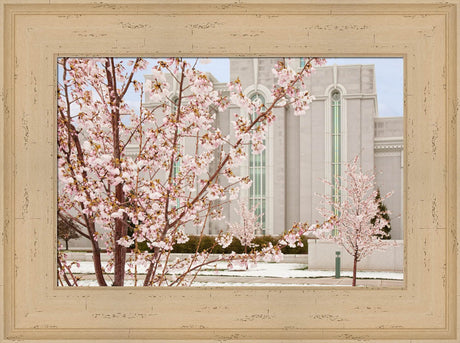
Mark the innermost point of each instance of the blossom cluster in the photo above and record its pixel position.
(184, 167)
(357, 228)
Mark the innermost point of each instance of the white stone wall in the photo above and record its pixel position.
(321, 256)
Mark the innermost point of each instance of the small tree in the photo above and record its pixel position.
(355, 230)
(66, 231)
(245, 230)
(382, 213)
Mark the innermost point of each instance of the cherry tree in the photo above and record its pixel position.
(357, 227)
(163, 189)
(245, 230)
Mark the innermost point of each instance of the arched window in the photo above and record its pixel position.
(336, 148)
(258, 175)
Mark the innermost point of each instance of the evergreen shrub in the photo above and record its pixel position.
(208, 241)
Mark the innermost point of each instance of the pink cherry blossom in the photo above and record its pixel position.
(122, 198)
(353, 229)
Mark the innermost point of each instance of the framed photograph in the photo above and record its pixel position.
(39, 39)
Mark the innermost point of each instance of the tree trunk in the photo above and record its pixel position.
(119, 253)
(96, 252)
(121, 229)
(355, 264)
(66, 244)
(149, 275)
(97, 263)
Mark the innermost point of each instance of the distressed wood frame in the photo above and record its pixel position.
(35, 32)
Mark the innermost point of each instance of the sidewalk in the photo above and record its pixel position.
(324, 281)
(264, 274)
(222, 281)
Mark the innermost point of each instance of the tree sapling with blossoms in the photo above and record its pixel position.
(357, 227)
(245, 230)
(162, 189)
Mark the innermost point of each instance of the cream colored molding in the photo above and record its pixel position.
(35, 32)
(388, 144)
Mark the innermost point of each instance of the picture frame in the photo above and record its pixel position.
(37, 32)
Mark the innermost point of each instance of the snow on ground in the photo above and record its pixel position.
(265, 284)
(130, 283)
(262, 269)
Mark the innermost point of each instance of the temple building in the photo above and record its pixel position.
(342, 122)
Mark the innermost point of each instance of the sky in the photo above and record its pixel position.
(218, 67)
(388, 74)
(389, 79)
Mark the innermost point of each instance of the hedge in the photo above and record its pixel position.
(207, 241)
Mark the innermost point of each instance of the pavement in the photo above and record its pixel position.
(323, 281)
(218, 280)
(259, 281)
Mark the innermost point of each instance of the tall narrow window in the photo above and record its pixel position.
(177, 160)
(336, 157)
(257, 173)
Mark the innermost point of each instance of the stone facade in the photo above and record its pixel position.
(299, 149)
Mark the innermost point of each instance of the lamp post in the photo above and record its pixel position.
(337, 265)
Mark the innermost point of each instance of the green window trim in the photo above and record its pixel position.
(258, 175)
(336, 148)
(177, 162)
